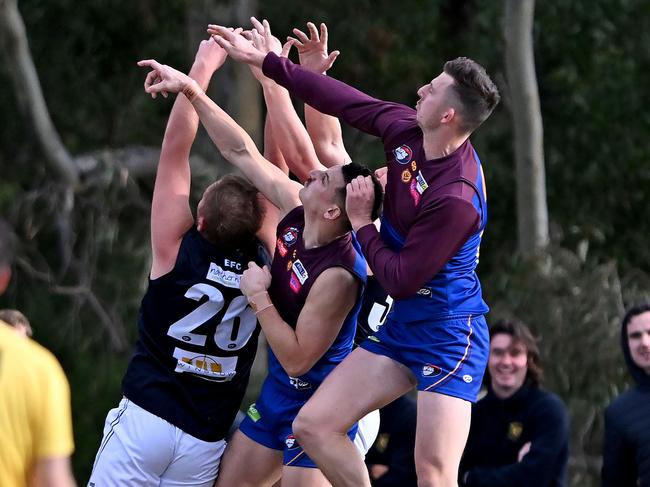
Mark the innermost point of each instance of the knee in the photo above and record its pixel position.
(306, 427)
(434, 474)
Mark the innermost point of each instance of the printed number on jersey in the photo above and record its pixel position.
(232, 333)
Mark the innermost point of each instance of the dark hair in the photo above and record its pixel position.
(634, 311)
(351, 171)
(520, 333)
(7, 244)
(232, 212)
(477, 93)
(15, 318)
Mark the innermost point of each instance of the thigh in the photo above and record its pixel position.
(442, 429)
(303, 477)
(363, 382)
(137, 447)
(248, 463)
(195, 464)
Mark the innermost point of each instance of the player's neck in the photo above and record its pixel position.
(441, 142)
(319, 233)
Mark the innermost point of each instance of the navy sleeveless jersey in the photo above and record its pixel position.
(197, 338)
(293, 272)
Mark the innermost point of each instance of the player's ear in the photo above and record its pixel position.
(332, 213)
(200, 223)
(448, 115)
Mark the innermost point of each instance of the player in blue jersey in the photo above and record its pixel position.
(425, 257)
(197, 333)
(306, 304)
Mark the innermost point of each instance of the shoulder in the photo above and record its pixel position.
(621, 404)
(547, 404)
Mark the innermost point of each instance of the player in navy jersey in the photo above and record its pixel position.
(197, 334)
(435, 213)
(306, 304)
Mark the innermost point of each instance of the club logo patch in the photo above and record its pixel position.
(290, 441)
(515, 429)
(403, 154)
(300, 271)
(431, 370)
(290, 236)
(406, 176)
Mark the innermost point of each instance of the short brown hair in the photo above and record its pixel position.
(232, 212)
(477, 93)
(520, 333)
(350, 171)
(15, 318)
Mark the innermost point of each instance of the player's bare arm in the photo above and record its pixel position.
(318, 324)
(231, 140)
(171, 216)
(324, 130)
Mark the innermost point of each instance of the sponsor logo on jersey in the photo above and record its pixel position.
(421, 182)
(414, 193)
(406, 176)
(403, 154)
(515, 429)
(294, 283)
(431, 370)
(425, 291)
(281, 248)
(290, 236)
(299, 384)
(468, 378)
(373, 338)
(290, 441)
(208, 367)
(223, 277)
(414, 166)
(253, 413)
(301, 272)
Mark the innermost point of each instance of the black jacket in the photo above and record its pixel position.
(501, 427)
(626, 459)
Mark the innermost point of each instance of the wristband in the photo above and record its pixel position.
(192, 90)
(260, 301)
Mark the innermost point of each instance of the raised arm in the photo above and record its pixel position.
(171, 216)
(319, 322)
(231, 140)
(324, 93)
(324, 130)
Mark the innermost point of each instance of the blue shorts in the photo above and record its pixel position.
(268, 422)
(447, 356)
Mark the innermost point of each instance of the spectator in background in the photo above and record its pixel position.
(626, 459)
(519, 434)
(35, 420)
(19, 321)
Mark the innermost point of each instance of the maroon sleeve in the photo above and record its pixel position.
(333, 97)
(436, 235)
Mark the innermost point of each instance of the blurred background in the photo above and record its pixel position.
(566, 156)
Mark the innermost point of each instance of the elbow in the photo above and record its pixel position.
(401, 291)
(296, 368)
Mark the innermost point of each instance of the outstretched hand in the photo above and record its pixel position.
(312, 49)
(164, 79)
(210, 54)
(236, 45)
(359, 200)
(265, 42)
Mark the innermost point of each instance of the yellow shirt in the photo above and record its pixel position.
(35, 418)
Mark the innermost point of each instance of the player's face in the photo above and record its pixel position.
(320, 188)
(508, 364)
(638, 338)
(433, 104)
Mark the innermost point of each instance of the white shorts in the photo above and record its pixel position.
(139, 448)
(367, 432)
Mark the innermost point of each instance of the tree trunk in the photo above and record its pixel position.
(532, 212)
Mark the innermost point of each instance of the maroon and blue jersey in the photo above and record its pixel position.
(294, 270)
(435, 211)
(197, 338)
